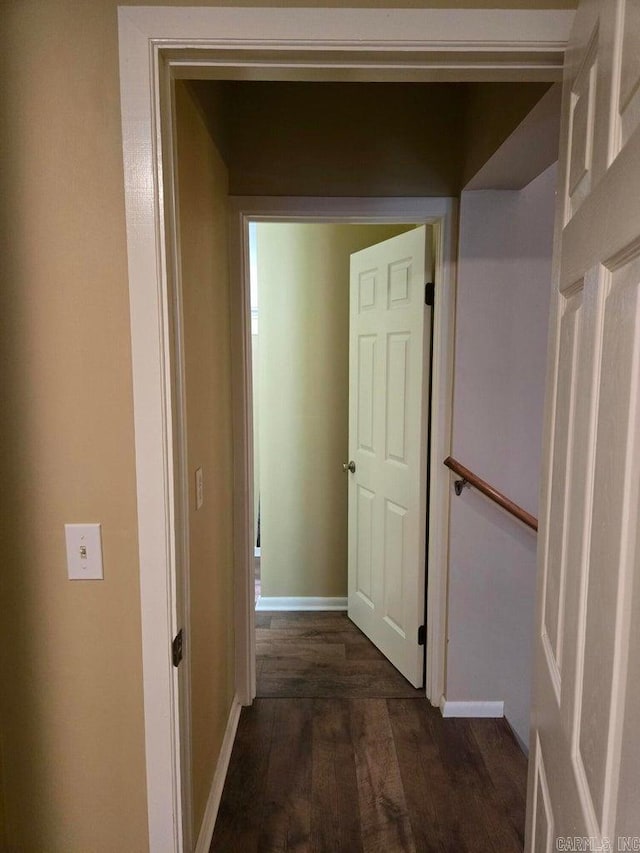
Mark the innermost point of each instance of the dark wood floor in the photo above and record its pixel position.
(322, 654)
(353, 772)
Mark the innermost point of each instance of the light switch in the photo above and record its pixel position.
(199, 488)
(84, 551)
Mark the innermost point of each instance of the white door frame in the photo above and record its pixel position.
(158, 44)
(441, 214)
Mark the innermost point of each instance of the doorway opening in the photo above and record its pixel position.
(399, 214)
(156, 46)
(341, 343)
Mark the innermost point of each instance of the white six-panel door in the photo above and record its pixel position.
(585, 745)
(388, 419)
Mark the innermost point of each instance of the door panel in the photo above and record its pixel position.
(543, 814)
(629, 95)
(582, 127)
(395, 568)
(364, 555)
(610, 570)
(389, 371)
(555, 580)
(584, 769)
(365, 391)
(397, 395)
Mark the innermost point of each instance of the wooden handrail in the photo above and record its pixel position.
(488, 490)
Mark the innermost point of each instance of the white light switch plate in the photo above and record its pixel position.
(84, 551)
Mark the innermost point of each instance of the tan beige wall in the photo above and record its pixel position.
(71, 711)
(202, 187)
(333, 139)
(303, 281)
(360, 139)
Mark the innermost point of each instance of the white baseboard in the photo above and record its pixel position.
(471, 709)
(215, 794)
(307, 602)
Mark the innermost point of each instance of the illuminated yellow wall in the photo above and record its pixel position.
(303, 282)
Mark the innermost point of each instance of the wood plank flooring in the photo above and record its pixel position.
(360, 773)
(320, 654)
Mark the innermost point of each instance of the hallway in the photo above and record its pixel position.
(338, 753)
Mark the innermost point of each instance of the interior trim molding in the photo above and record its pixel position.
(441, 215)
(215, 794)
(307, 602)
(471, 709)
(410, 44)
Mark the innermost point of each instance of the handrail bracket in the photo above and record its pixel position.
(459, 485)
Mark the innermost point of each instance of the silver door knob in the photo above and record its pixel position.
(349, 466)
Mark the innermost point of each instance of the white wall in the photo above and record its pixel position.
(504, 283)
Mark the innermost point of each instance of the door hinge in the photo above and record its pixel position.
(429, 293)
(176, 648)
(422, 635)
